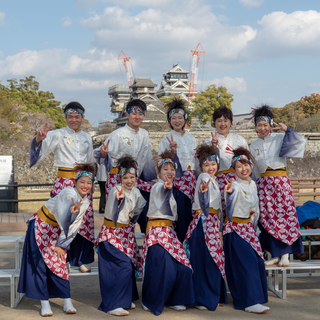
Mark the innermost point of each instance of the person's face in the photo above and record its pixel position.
(128, 181)
(135, 119)
(177, 121)
(83, 185)
(167, 170)
(263, 129)
(243, 170)
(223, 125)
(74, 121)
(209, 167)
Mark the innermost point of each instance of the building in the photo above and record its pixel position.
(175, 81)
(119, 95)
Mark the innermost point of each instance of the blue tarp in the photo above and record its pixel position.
(308, 210)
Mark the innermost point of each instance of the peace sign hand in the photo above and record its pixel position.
(76, 207)
(120, 193)
(280, 126)
(214, 139)
(228, 186)
(169, 183)
(41, 134)
(104, 149)
(172, 145)
(204, 187)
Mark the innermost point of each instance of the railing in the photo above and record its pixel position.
(305, 189)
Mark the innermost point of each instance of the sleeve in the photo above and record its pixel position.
(162, 199)
(141, 202)
(255, 216)
(46, 146)
(231, 199)
(90, 151)
(204, 199)
(179, 171)
(148, 172)
(107, 160)
(293, 145)
(164, 144)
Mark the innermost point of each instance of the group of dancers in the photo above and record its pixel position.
(200, 218)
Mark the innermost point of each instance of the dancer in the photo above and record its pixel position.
(167, 271)
(118, 252)
(183, 144)
(203, 242)
(246, 274)
(280, 231)
(51, 230)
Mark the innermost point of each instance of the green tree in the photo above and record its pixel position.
(291, 114)
(205, 102)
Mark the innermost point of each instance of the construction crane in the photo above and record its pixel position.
(127, 66)
(194, 71)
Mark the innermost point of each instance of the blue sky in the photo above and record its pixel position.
(263, 51)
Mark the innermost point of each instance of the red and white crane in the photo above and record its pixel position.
(194, 71)
(127, 66)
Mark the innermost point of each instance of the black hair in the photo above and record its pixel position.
(264, 110)
(126, 162)
(175, 103)
(167, 154)
(85, 167)
(74, 105)
(204, 151)
(136, 103)
(243, 151)
(222, 112)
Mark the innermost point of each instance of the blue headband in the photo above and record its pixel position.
(124, 171)
(84, 174)
(241, 157)
(71, 110)
(266, 119)
(134, 109)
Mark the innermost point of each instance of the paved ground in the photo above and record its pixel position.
(303, 299)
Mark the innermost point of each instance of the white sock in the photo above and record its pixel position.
(201, 308)
(68, 306)
(133, 306)
(284, 261)
(45, 308)
(178, 308)
(272, 261)
(144, 307)
(257, 308)
(119, 312)
(85, 268)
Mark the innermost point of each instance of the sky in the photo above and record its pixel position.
(262, 51)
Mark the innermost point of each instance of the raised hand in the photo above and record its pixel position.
(120, 193)
(204, 187)
(280, 126)
(214, 139)
(76, 207)
(60, 252)
(228, 186)
(41, 134)
(104, 148)
(169, 183)
(172, 145)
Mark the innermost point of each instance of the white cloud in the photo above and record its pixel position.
(252, 3)
(66, 22)
(2, 16)
(234, 85)
(1, 53)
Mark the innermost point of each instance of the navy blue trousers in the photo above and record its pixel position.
(276, 247)
(208, 283)
(167, 282)
(80, 252)
(143, 220)
(246, 273)
(36, 280)
(118, 286)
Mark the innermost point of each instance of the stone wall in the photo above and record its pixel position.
(44, 172)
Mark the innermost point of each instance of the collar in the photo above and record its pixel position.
(71, 131)
(241, 181)
(221, 136)
(131, 130)
(177, 134)
(78, 195)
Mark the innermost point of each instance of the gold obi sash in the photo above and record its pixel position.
(110, 224)
(281, 172)
(47, 217)
(154, 222)
(114, 170)
(238, 220)
(225, 171)
(211, 211)
(66, 173)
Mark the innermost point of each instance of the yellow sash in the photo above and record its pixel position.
(110, 224)
(114, 171)
(211, 210)
(238, 220)
(225, 171)
(47, 217)
(281, 172)
(66, 173)
(158, 223)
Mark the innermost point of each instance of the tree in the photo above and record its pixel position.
(209, 100)
(291, 114)
(310, 105)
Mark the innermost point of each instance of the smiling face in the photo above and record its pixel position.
(168, 170)
(128, 180)
(223, 125)
(177, 122)
(263, 128)
(209, 167)
(74, 121)
(135, 119)
(83, 185)
(243, 170)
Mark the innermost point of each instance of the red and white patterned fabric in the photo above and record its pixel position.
(167, 238)
(278, 213)
(87, 226)
(46, 237)
(124, 240)
(221, 179)
(186, 184)
(246, 232)
(211, 227)
(113, 180)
